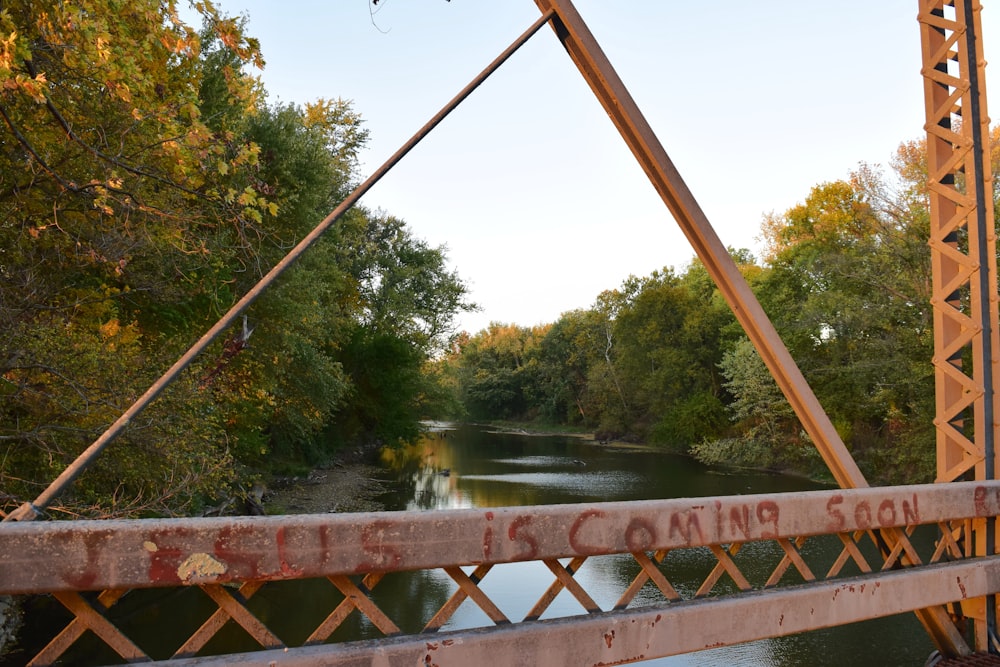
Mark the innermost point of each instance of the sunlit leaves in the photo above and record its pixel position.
(848, 287)
(109, 180)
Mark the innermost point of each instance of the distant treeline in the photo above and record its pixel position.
(845, 277)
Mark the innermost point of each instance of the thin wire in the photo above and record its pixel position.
(374, 9)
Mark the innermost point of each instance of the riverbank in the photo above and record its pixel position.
(354, 483)
(341, 487)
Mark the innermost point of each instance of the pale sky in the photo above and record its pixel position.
(529, 185)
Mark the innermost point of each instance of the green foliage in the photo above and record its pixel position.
(439, 398)
(669, 353)
(404, 286)
(168, 461)
(766, 430)
(660, 359)
(386, 383)
(641, 364)
(740, 452)
(563, 358)
(111, 195)
(848, 290)
(494, 371)
(145, 184)
(699, 415)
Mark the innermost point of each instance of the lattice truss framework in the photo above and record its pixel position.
(357, 593)
(963, 260)
(962, 237)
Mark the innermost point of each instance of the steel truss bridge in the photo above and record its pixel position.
(950, 581)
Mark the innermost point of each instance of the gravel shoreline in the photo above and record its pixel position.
(341, 487)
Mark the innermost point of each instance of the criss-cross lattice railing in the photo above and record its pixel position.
(89, 567)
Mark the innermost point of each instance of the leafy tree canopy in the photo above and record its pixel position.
(145, 184)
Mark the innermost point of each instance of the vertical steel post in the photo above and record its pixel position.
(987, 282)
(963, 254)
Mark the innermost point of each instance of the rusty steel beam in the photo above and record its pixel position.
(97, 555)
(584, 50)
(656, 631)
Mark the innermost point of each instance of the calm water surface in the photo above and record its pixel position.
(491, 469)
(495, 469)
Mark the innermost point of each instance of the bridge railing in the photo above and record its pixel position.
(881, 569)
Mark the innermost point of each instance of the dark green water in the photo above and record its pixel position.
(491, 469)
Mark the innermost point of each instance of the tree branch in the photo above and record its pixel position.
(54, 112)
(35, 156)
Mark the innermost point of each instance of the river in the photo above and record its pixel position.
(475, 467)
(493, 469)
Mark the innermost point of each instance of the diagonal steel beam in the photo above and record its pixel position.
(635, 130)
(609, 89)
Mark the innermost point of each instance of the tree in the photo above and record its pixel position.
(669, 332)
(145, 184)
(766, 432)
(110, 182)
(281, 391)
(405, 287)
(492, 372)
(565, 354)
(848, 290)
